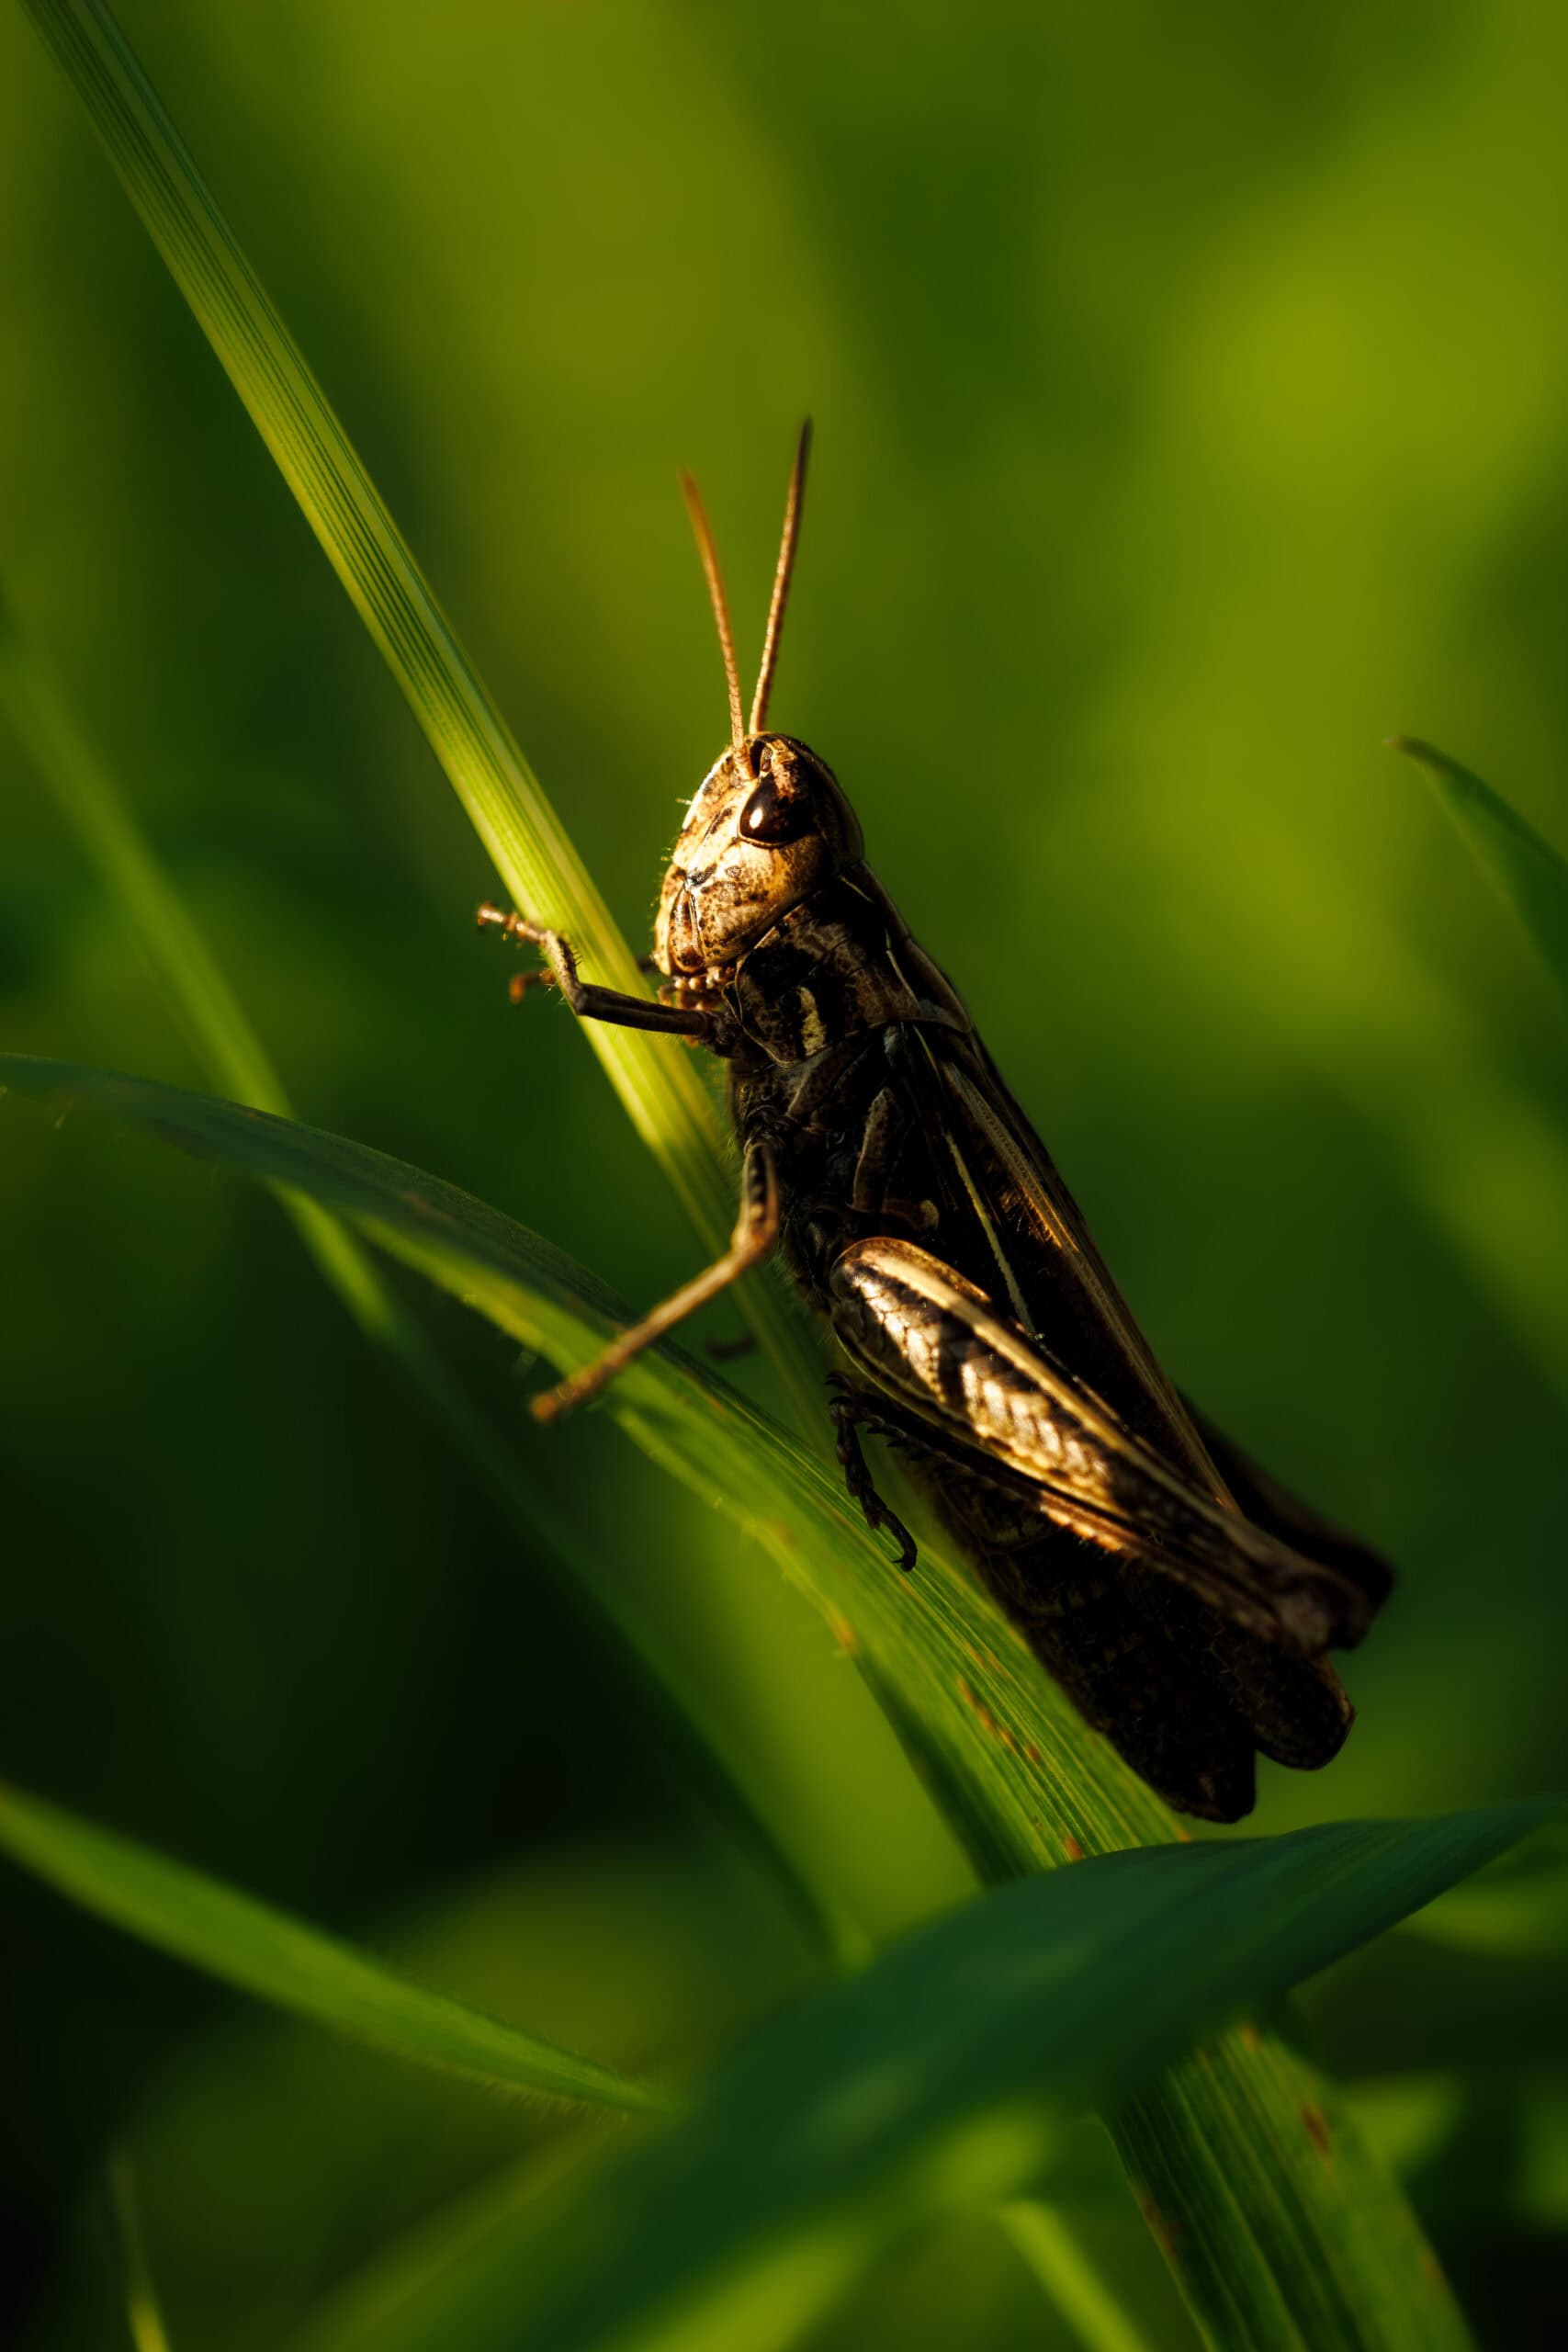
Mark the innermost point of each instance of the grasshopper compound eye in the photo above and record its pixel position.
(777, 811)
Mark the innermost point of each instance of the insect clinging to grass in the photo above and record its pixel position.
(1183, 1600)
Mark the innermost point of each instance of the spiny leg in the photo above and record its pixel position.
(755, 1228)
(518, 986)
(849, 1407)
(587, 999)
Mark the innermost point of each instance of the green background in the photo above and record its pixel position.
(1191, 390)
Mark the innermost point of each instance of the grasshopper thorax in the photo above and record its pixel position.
(768, 826)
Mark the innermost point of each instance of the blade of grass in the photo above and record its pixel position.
(366, 2308)
(144, 2321)
(931, 2082)
(1519, 1908)
(280, 1959)
(238, 1065)
(1048, 2248)
(1271, 2245)
(658, 1086)
(1532, 876)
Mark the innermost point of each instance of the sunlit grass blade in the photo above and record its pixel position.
(531, 851)
(932, 2081)
(1261, 2234)
(237, 1063)
(263, 1951)
(1533, 876)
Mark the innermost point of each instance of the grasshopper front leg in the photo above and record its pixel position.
(755, 1228)
(587, 999)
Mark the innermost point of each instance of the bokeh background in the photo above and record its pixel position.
(1192, 389)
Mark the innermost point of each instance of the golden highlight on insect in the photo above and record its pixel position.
(1181, 1596)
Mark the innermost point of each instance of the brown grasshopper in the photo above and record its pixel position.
(1182, 1598)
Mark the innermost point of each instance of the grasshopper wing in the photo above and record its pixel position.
(1189, 1635)
(935, 1345)
(1047, 1264)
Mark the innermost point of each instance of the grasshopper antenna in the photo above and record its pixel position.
(787, 546)
(720, 603)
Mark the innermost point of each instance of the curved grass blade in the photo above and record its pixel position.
(144, 2321)
(1533, 876)
(1270, 2245)
(238, 1065)
(660, 1089)
(932, 2081)
(1518, 1908)
(280, 1959)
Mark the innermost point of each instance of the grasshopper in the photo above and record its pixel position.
(1182, 1598)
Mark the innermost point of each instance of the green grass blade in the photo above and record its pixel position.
(931, 2081)
(1266, 2237)
(365, 2311)
(144, 2321)
(1083, 2301)
(1518, 1908)
(658, 1084)
(238, 1065)
(193, 984)
(278, 1959)
(1533, 876)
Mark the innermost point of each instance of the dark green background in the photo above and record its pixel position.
(1191, 388)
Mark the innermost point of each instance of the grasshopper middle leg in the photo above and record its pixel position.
(851, 1406)
(755, 1228)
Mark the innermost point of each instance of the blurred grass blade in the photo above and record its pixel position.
(932, 2081)
(1267, 2241)
(144, 2321)
(658, 1085)
(197, 990)
(1083, 2301)
(238, 1065)
(193, 986)
(1519, 1908)
(365, 2310)
(1534, 877)
(278, 1959)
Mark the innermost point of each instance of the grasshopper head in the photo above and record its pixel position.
(768, 826)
